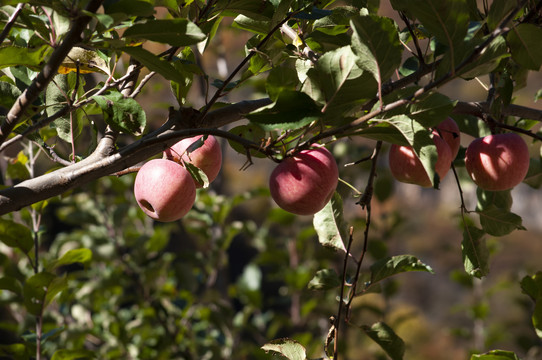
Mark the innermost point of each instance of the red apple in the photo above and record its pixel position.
(497, 162)
(208, 157)
(406, 167)
(164, 190)
(304, 183)
(449, 131)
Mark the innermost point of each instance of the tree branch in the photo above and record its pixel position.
(105, 160)
(41, 81)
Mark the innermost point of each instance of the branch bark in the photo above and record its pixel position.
(105, 161)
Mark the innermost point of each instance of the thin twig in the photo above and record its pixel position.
(11, 22)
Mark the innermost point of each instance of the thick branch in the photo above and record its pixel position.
(41, 81)
(480, 108)
(104, 161)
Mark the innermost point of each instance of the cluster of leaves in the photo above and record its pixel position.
(330, 71)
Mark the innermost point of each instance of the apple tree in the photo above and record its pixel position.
(345, 100)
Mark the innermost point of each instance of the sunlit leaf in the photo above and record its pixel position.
(123, 114)
(329, 224)
(287, 348)
(387, 339)
(324, 279)
(384, 268)
(495, 355)
(73, 256)
(19, 56)
(475, 252)
(175, 32)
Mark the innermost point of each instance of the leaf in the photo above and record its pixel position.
(387, 339)
(532, 286)
(324, 279)
(475, 252)
(11, 284)
(446, 20)
(376, 43)
(335, 67)
(499, 222)
(288, 348)
(73, 355)
(175, 32)
(280, 79)
(40, 289)
(56, 98)
(129, 7)
(488, 61)
(8, 94)
(88, 61)
(291, 110)
(19, 56)
(495, 355)
(16, 235)
(389, 266)
(525, 42)
(73, 256)
(197, 174)
(123, 114)
(431, 110)
(154, 63)
(329, 224)
(491, 199)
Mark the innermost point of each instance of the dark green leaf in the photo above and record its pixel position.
(251, 132)
(15, 351)
(16, 235)
(525, 42)
(11, 284)
(324, 279)
(491, 199)
(384, 268)
(499, 222)
(475, 252)
(175, 32)
(488, 61)
(40, 289)
(387, 339)
(291, 110)
(8, 94)
(129, 7)
(56, 98)
(329, 224)
(280, 79)
(154, 63)
(376, 43)
(431, 110)
(532, 286)
(288, 348)
(495, 355)
(197, 174)
(123, 114)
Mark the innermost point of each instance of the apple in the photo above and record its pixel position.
(497, 162)
(406, 167)
(164, 190)
(304, 183)
(207, 157)
(449, 131)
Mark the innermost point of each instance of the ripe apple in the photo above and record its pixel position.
(449, 131)
(164, 190)
(406, 167)
(208, 157)
(304, 183)
(497, 162)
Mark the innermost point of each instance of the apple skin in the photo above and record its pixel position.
(304, 183)
(406, 167)
(449, 131)
(497, 162)
(208, 157)
(164, 190)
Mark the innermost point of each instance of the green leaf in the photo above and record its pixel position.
(287, 348)
(251, 132)
(175, 32)
(130, 7)
(491, 199)
(376, 43)
(40, 289)
(329, 224)
(497, 12)
(15, 351)
(73, 256)
(532, 286)
(488, 61)
(56, 98)
(475, 252)
(11, 284)
(495, 355)
(154, 63)
(499, 222)
(525, 42)
(8, 94)
(197, 174)
(280, 79)
(123, 114)
(73, 355)
(431, 110)
(19, 56)
(324, 279)
(387, 339)
(389, 266)
(16, 235)
(291, 110)
(446, 20)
